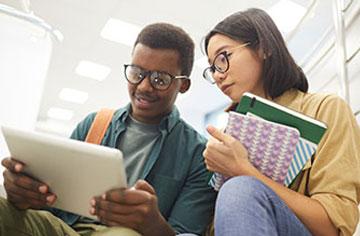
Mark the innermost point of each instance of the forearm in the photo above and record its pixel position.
(310, 212)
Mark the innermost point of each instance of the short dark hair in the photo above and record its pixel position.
(167, 36)
(280, 72)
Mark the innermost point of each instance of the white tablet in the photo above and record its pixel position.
(75, 171)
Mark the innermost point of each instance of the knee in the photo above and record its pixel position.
(3, 205)
(242, 185)
(242, 189)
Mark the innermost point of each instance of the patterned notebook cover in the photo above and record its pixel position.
(270, 146)
(304, 150)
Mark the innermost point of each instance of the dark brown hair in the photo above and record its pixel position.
(167, 36)
(280, 72)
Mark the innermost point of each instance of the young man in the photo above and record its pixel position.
(162, 155)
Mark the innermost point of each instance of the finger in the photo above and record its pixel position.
(127, 220)
(211, 146)
(126, 196)
(113, 224)
(12, 165)
(213, 141)
(145, 186)
(217, 134)
(215, 149)
(116, 208)
(210, 165)
(28, 195)
(94, 200)
(94, 205)
(25, 181)
(23, 203)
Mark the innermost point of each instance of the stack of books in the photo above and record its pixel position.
(279, 141)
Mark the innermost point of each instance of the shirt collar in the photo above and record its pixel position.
(167, 122)
(170, 121)
(123, 113)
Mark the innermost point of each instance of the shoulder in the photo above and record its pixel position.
(309, 101)
(326, 106)
(83, 126)
(89, 119)
(334, 111)
(321, 99)
(321, 106)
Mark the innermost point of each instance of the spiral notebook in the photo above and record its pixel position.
(270, 146)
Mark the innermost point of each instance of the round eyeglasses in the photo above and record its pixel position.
(220, 64)
(159, 80)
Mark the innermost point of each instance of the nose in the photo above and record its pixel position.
(145, 85)
(218, 76)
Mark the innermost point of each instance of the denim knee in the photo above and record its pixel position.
(242, 189)
(246, 206)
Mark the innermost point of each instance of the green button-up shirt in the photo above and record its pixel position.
(175, 168)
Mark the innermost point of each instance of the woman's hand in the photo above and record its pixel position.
(226, 155)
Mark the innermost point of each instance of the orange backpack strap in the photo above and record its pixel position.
(99, 126)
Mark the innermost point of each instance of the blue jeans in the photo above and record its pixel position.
(246, 206)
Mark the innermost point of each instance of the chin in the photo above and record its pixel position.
(235, 98)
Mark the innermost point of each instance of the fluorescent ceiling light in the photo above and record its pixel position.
(73, 95)
(92, 70)
(286, 14)
(120, 32)
(60, 114)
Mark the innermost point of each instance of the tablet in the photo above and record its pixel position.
(75, 171)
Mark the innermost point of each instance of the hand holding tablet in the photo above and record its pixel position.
(73, 171)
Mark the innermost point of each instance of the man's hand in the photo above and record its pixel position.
(135, 208)
(23, 191)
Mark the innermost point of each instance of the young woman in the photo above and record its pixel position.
(248, 54)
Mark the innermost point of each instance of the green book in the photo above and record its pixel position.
(309, 128)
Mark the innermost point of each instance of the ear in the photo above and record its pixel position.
(262, 54)
(267, 55)
(185, 85)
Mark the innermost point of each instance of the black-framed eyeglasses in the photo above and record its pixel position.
(220, 64)
(159, 80)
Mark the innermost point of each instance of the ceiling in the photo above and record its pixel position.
(81, 22)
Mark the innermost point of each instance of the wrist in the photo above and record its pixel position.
(159, 227)
(246, 168)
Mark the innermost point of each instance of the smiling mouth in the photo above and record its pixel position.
(144, 101)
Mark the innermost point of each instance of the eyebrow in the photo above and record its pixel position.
(219, 50)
